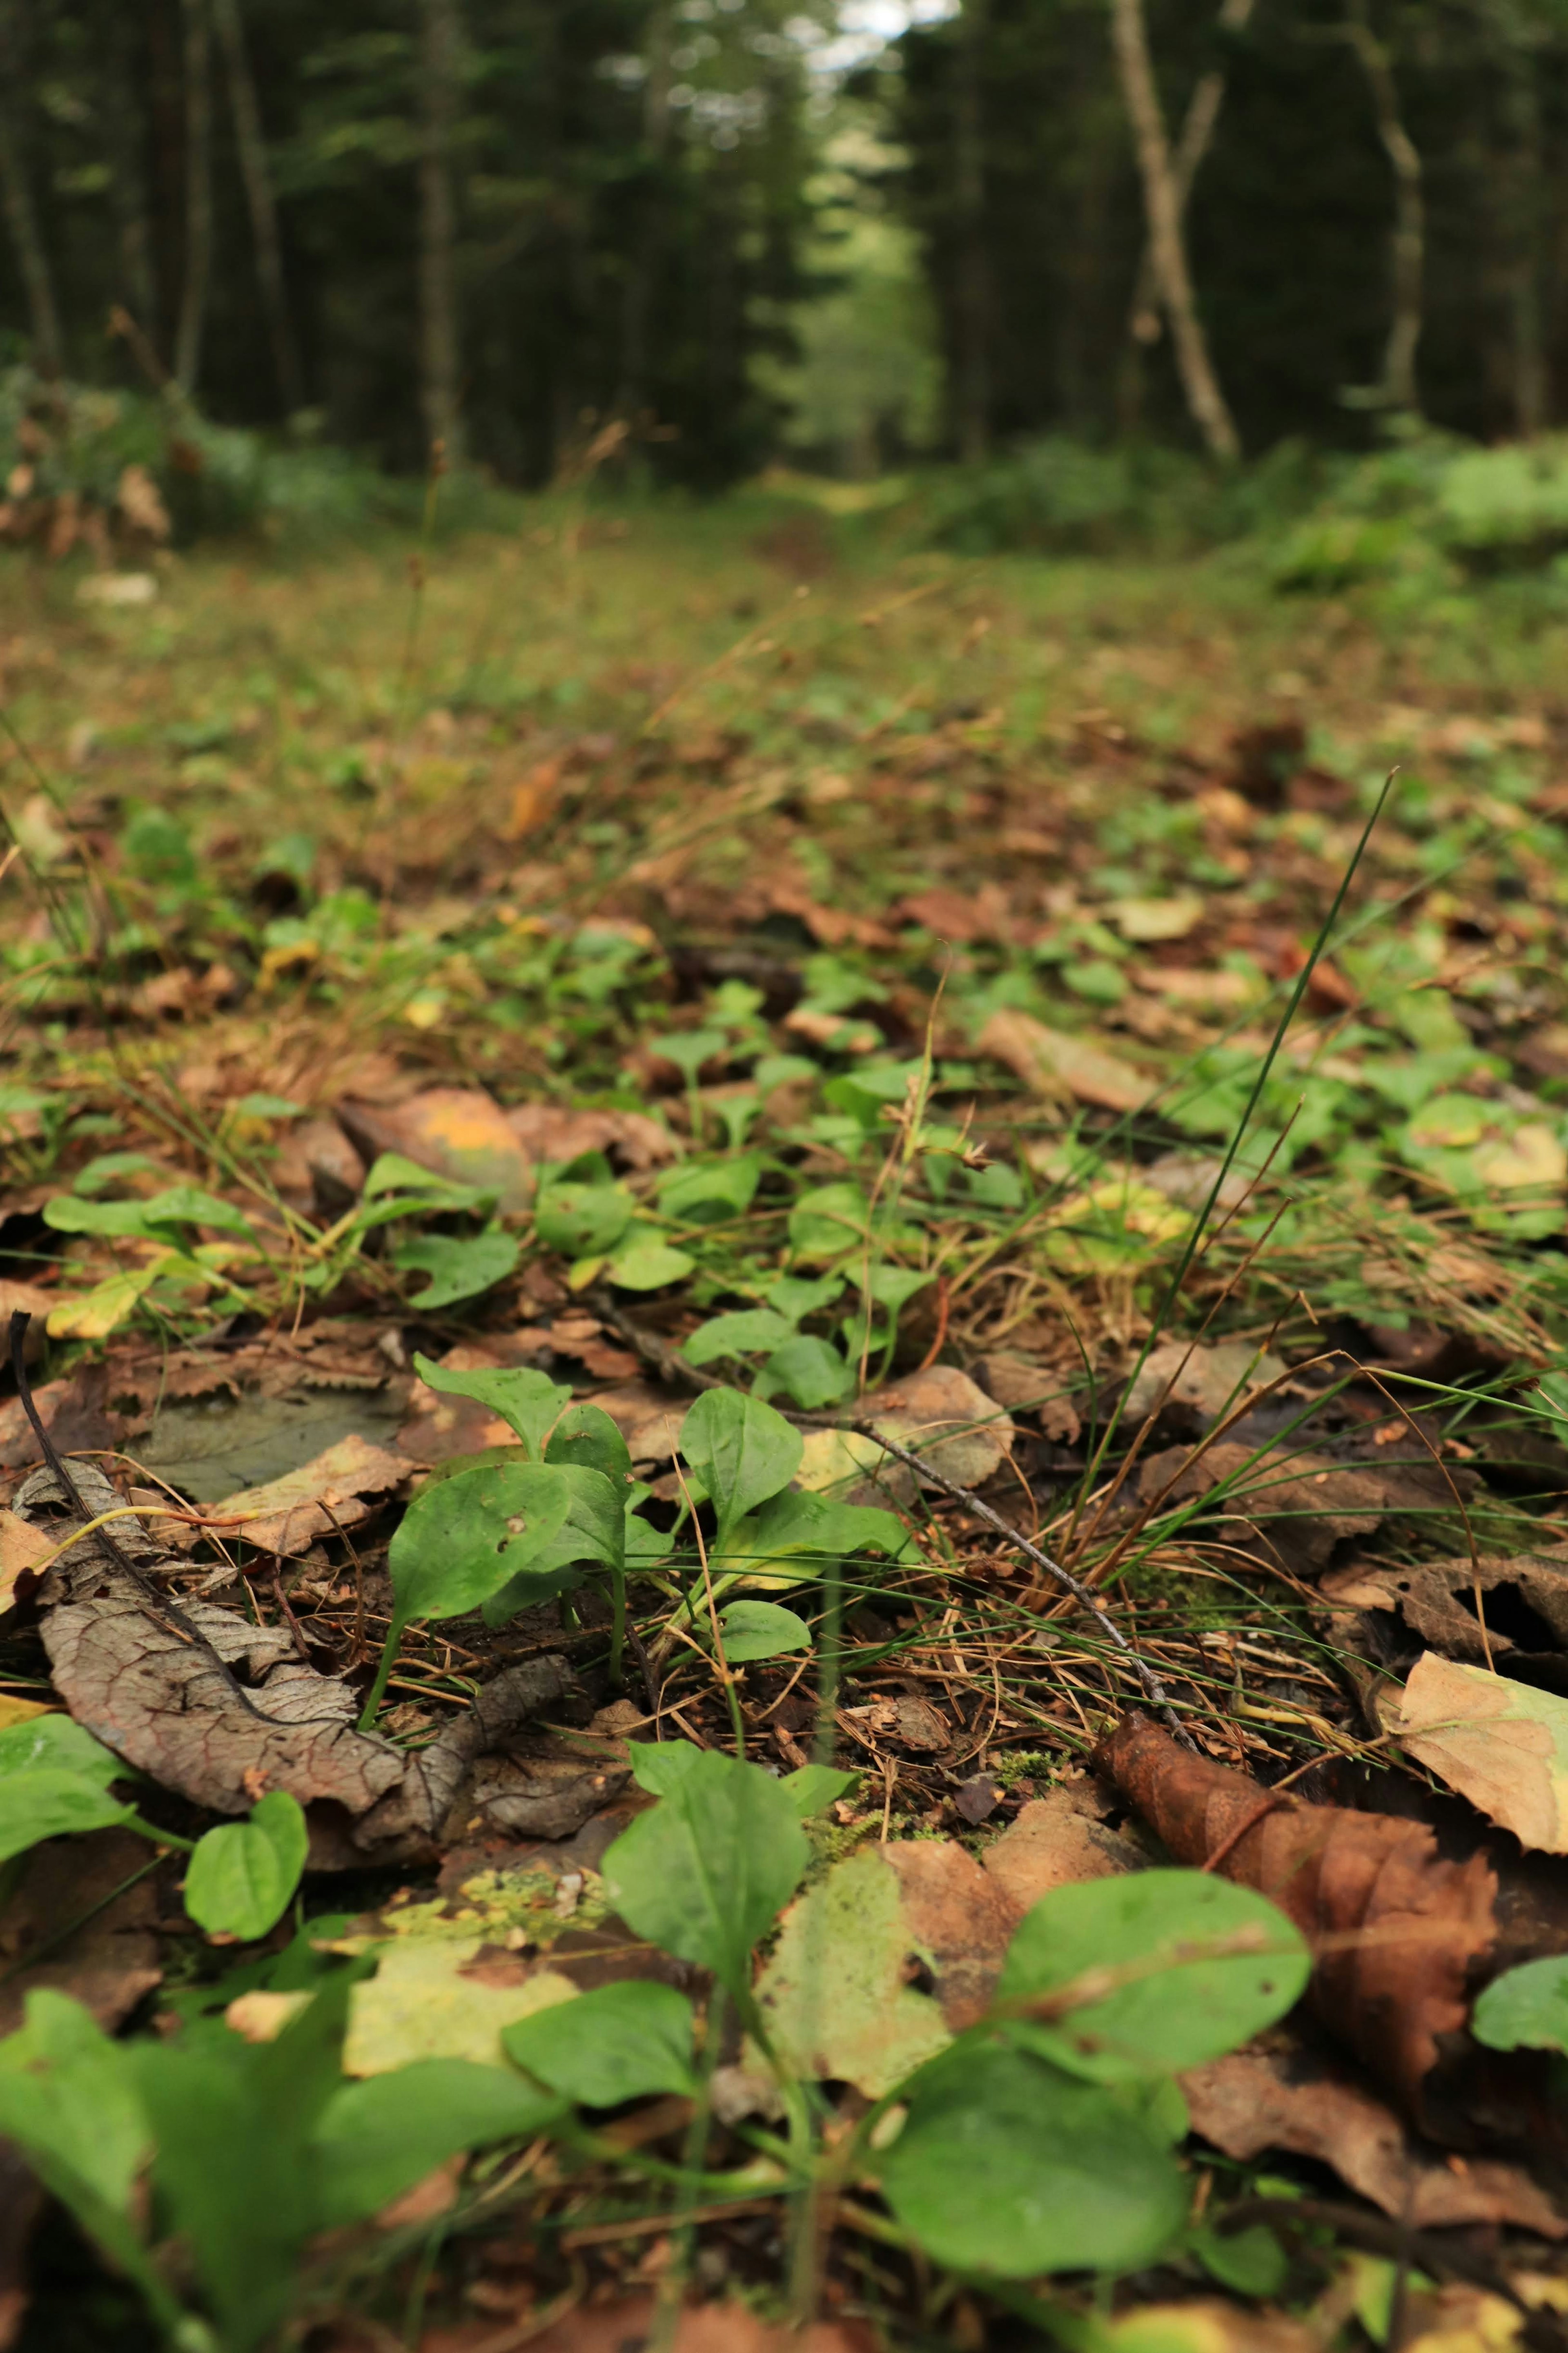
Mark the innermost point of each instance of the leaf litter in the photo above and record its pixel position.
(649, 1121)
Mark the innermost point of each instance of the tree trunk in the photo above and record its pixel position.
(1408, 241)
(1522, 202)
(21, 216)
(125, 138)
(1163, 208)
(1198, 133)
(440, 36)
(640, 277)
(261, 200)
(198, 197)
(973, 385)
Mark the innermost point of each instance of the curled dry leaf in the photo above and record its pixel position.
(1410, 1931)
(1436, 1601)
(456, 1131)
(1053, 1062)
(287, 1514)
(156, 1682)
(1298, 1506)
(1284, 2093)
(1502, 1744)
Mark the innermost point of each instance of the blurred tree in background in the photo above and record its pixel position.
(509, 224)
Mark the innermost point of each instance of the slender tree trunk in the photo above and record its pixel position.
(974, 308)
(125, 133)
(197, 274)
(261, 202)
(639, 308)
(1186, 162)
(1522, 183)
(1408, 241)
(21, 215)
(1162, 206)
(440, 36)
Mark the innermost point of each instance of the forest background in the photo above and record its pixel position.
(742, 230)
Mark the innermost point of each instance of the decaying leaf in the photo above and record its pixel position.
(1056, 1063)
(1296, 1508)
(561, 1134)
(1058, 1841)
(943, 1415)
(456, 1131)
(1502, 1744)
(1436, 1601)
(1284, 2093)
(1205, 2323)
(627, 2327)
(22, 1547)
(1410, 1930)
(1205, 1380)
(443, 1997)
(646, 1418)
(287, 1514)
(151, 1680)
(836, 1993)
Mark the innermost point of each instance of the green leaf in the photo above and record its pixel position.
(1205, 1964)
(581, 1220)
(892, 1286)
(706, 1873)
(658, 1765)
(794, 1298)
(1526, 2007)
(186, 1205)
(58, 1743)
(592, 1528)
(828, 1220)
(689, 1049)
(462, 1539)
(808, 1369)
(790, 1539)
(761, 1630)
(1252, 2261)
(51, 1804)
(740, 1450)
(66, 2096)
(108, 1168)
(585, 1434)
(745, 1332)
(617, 2043)
(705, 1192)
(242, 1874)
(813, 1787)
(646, 1261)
(526, 1398)
(376, 2138)
(1005, 2165)
(461, 1266)
(392, 1172)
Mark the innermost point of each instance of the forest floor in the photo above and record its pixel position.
(956, 997)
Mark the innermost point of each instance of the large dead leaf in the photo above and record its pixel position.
(1502, 1744)
(456, 1131)
(1059, 1839)
(1205, 1380)
(22, 1548)
(73, 1413)
(151, 1679)
(221, 1447)
(1054, 1063)
(1283, 2093)
(1296, 1508)
(1408, 1929)
(287, 1514)
(646, 1420)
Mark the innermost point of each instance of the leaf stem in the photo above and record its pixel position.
(389, 1651)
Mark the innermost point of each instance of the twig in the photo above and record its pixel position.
(1154, 1690)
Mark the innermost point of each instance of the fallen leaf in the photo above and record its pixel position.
(1057, 1840)
(1205, 2323)
(1436, 1598)
(544, 1797)
(835, 1992)
(1024, 1386)
(22, 1547)
(287, 1514)
(71, 1411)
(1411, 1929)
(1281, 2092)
(646, 1418)
(1207, 1381)
(1054, 1063)
(943, 1415)
(219, 1447)
(1147, 919)
(1298, 1506)
(84, 1908)
(977, 1799)
(559, 1134)
(959, 1918)
(457, 1132)
(1502, 1744)
(627, 2328)
(426, 2001)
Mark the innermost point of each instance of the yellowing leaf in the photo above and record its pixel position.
(1502, 1744)
(1053, 1062)
(287, 1514)
(22, 1710)
(97, 1313)
(1157, 919)
(1531, 1157)
(834, 1992)
(433, 1998)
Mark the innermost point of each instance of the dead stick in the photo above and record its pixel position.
(1154, 1688)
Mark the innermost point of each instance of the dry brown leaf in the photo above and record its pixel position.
(457, 1132)
(1054, 1063)
(71, 1411)
(1298, 1506)
(1436, 1598)
(627, 2327)
(556, 1132)
(1208, 1381)
(1058, 1841)
(1502, 1744)
(958, 1915)
(943, 1415)
(1281, 2092)
(646, 1418)
(22, 1547)
(287, 1514)
(1410, 1930)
